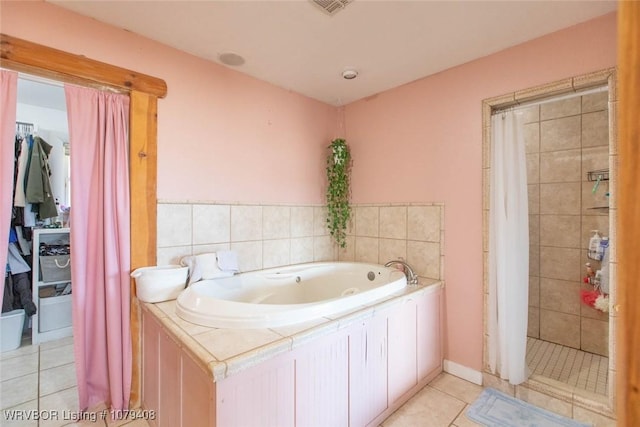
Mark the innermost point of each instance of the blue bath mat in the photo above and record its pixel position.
(495, 409)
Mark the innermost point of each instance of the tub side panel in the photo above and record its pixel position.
(402, 358)
(367, 370)
(170, 378)
(260, 396)
(322, 382)
(429, 333)
(197, 395)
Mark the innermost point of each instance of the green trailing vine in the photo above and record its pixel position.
(338, 192)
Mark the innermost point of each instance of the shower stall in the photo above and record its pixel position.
(567, 153)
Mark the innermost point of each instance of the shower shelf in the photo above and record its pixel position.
(598, 175)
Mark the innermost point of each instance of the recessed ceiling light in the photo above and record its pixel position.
(349, 74)
(230, 58)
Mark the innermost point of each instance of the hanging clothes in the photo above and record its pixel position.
(38, 180)
(19, 198)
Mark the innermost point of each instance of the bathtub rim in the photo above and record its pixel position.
(279, 315)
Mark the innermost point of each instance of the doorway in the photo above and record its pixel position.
(567, 150)
(568, 344)
(41, 120)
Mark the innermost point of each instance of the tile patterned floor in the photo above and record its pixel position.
(442, 403)
(576, 368)
(41, 380)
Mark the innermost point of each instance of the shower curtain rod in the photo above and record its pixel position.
(56, 83)
(528, 104)
(37, 79)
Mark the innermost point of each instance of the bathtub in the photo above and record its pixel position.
(286, 295)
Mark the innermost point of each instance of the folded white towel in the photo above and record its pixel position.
(203, 267)
(228, 261)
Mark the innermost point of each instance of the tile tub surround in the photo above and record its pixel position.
(223, 352)
(379, 233)
(268, 236)
(299, 369)
(264, 236)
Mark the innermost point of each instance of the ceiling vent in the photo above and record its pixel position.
(331, 7)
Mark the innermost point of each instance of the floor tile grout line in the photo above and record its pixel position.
(577, 368)
(462, 411)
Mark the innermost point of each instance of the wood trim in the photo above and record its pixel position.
(143, 179)
(25, 56)
(38, 60)
(628, 338)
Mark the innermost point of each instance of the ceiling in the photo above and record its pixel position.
(295, 45)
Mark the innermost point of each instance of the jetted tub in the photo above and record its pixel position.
(286, 295)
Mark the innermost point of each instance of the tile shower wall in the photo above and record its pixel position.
(267, 236)
(565, 140)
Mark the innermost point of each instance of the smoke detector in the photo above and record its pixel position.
(331, 7)
(349, 74)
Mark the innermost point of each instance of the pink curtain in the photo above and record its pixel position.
(8, 94)
(100, 248)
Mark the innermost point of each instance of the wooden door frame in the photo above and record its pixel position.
(144, 91)
(628, 305)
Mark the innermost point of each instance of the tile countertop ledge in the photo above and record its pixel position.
(223, 352)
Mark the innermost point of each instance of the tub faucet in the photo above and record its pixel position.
(412, 277)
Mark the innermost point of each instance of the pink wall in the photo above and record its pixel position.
(423, 142)
(221, 135)
(228, 137)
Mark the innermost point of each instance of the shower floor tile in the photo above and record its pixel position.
(577, 368)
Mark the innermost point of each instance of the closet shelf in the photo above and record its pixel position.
(598, 175)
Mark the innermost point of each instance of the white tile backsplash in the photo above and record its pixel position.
(211, 224)
(276, 222)
(320, 221)
(367, 221)
(276, 253)
(301, 250)
(301, 221)
(174, 225)
(246, 223)
(393, 222)
(249, 255)
(266, 236)
(423, 223)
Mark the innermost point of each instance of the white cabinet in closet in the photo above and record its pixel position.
(51, 282)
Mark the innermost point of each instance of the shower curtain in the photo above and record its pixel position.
(100, 245)
(8, 97)
(508, 249)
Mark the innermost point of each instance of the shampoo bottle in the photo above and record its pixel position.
(594, 245)
(602, 248)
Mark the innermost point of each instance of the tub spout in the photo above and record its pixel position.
(412, 277)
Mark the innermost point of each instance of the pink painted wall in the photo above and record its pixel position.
(423, 142)
(219, 130)
(221, 134)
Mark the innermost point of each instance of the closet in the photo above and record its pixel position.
(41, 211)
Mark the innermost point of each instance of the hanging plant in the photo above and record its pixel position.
(338, 192)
